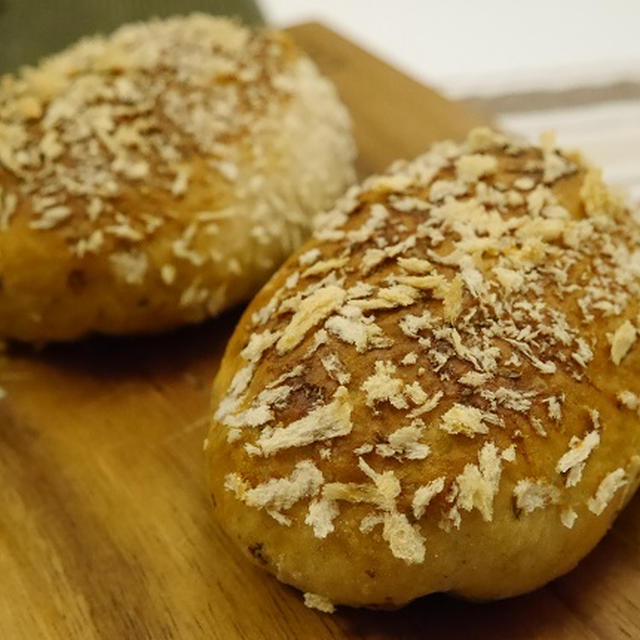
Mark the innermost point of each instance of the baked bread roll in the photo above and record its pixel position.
(157, 176)
(440, 391)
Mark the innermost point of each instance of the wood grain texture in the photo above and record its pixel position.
(105, 530)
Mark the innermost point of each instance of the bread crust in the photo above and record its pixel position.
(157, 176)
(439, 392)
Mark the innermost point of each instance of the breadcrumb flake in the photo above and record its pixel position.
(315, 601)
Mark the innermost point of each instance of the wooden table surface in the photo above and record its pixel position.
(105, 528)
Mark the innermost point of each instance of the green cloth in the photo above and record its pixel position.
(31, 29)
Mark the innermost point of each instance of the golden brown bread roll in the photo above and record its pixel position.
(159, 175)
(440, 391)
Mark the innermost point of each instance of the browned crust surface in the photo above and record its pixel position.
(156, 176)
(437, 391)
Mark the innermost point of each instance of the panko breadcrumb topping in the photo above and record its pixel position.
(433, 305)
(315, 601)
(157, 112)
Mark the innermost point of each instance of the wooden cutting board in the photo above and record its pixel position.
(105, 526)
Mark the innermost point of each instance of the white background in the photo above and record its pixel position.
(466, 47)
(492, 47)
